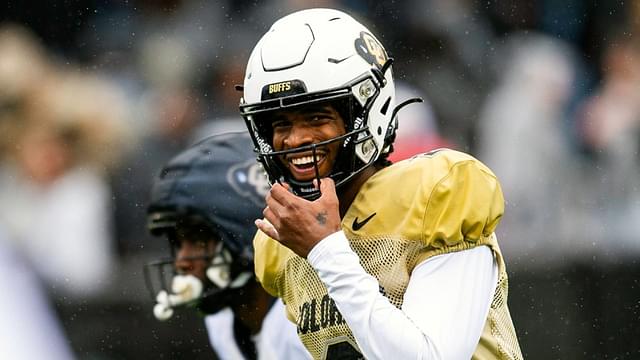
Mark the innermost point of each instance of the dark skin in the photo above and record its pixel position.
(297, 223)
(193, 253)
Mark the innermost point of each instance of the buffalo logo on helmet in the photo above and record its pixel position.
(249, 180)
(370, 49)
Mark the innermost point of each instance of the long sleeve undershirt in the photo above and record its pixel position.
(277, 338)
(444, 309)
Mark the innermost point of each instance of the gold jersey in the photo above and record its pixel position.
(431, 204)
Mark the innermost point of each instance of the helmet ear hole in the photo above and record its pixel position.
(379, 130)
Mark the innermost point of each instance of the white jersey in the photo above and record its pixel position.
(277, 339)
(30, 328)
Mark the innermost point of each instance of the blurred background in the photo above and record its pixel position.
(96, 95)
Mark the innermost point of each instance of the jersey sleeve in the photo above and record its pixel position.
(465, 204)
(269, 259)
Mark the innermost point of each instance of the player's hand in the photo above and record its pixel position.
(297, 223)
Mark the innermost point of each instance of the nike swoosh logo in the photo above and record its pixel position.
(358, 225)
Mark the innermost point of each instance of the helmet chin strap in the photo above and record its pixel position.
(379, 73)
(393, 125)
(405, 103)
(306, 188)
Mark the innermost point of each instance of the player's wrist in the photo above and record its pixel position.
(331, 242)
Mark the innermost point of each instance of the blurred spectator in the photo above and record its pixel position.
(609, 128)
(64, 137)
(445, 46)
(30, 328)
(174, 116)
(175, 45)
(223, 98)
(520, 136)
(610, 118)
(23, 66)
(417, 127)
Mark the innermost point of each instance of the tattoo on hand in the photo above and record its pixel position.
(322, 218)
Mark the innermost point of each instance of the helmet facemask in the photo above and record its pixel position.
(170, 289)
(357, 151)
(321, 55)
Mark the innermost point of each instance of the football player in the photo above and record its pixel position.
(373, 260)
(204, 202)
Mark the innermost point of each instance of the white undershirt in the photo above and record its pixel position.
(444, 309)
(277, 338)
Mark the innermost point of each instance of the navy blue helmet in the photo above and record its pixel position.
(216, 183)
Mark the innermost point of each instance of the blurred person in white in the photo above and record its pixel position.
(609, 129)
(520, 136)
(65, 135)
(29, 328)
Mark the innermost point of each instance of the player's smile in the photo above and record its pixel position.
(312, 125)
(302, 166)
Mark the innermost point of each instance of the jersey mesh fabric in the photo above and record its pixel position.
(498, 339)
(447, 202)
(391, 262)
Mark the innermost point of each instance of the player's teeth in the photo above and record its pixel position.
(302, 160)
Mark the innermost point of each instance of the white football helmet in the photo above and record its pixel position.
(321, 55)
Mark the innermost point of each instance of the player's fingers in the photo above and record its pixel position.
(286, 186)
(327, 187)
(280, 194)
(270, 215)
(276, 205)
(266, 227)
